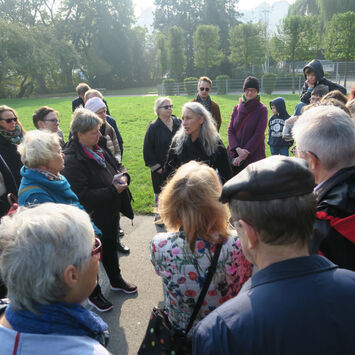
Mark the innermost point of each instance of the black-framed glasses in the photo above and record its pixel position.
(166, 107)
(9, 120)
(203, 89)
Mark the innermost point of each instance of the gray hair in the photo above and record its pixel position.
(329, 133)
(158, 103)
(37, 244)
(279, 222)
(83, 121)
(208, 135)
(37, 148)
(92, 93)
(351, 106)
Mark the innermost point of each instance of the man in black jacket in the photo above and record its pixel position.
(325, 137)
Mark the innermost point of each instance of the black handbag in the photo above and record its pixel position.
(161, 337)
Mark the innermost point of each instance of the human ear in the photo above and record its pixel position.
(71, 276)
(250, 233)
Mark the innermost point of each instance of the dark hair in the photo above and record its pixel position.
(320, 90)
(82, 88)
(309, 71)
(279, 222)
(335, 94)
(41, 113)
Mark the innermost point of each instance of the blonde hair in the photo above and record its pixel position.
(37, 148)
(4, 108)
(92, 93)
(191, 200)
(208, 135)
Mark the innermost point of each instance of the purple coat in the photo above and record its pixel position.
(248, 134)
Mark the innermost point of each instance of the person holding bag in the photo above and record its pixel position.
(197, 223)
(246, 130)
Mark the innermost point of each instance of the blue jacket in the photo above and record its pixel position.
(304, 305)
(35, 188)
(277, 122)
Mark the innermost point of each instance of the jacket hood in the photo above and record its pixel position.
(316, 66)
(280, 105)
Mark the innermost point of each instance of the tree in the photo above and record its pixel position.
(206, 47)
(340, 42)
(246, 45)
(296, 39)
(162, 53)
(304, 8)
(176, 55)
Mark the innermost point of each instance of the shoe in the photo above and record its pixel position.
(120, 233)
(122, 248)
(124, 286)
(100, 303)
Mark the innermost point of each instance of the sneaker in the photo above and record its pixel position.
(124, 286)
(100, 303)
(123, 249)
(120, 233)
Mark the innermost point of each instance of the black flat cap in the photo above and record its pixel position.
(271, 178)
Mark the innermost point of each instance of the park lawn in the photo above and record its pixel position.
(133, 115)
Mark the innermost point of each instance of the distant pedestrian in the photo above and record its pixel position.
(204, 87)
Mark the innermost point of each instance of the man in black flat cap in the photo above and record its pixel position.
(295, 303)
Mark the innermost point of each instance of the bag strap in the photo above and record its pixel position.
(32, 187)
(211, 271)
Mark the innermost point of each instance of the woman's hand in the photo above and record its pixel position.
(242, 153)
(121, 185)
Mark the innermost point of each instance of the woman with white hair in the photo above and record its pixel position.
(157, 141)
(49, 261)
(198, 139)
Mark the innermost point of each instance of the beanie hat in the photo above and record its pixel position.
(94, 104)
(251, 82)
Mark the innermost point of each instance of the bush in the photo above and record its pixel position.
(190, 85)
(269, 83)
(169, 87)
(221, 84)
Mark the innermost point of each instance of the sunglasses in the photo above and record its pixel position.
(9, 120)
(97, 247)
(166, 107)
(203, 89)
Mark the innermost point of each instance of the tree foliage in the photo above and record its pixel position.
(177, 59)
(246, 45)
(206, 47)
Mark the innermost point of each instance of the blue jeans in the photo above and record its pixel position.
(279, 150)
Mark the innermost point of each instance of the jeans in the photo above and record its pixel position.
(279, 150)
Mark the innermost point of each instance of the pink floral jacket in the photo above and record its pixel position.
(184, 272)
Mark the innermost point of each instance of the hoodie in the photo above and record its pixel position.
(277, 122)
(316, 66)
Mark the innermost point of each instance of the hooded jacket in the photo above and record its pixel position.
(277, 122)
(316, 66)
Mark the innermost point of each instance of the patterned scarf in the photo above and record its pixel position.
(96, 154)
(206, 103)
(15, 137)
(47, 174)
(59, 318)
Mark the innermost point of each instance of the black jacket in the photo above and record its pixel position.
(157, 141)
(316, 66)
(12, 158)
(277, 122)
(195, 151)
(93, 183)
(10, 184)
(335, 197)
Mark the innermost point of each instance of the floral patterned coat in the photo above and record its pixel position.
(183, 273)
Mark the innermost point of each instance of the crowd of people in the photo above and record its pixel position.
(282, 228)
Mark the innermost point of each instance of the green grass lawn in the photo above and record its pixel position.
(133, 115)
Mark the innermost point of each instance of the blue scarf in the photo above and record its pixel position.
(59, 318)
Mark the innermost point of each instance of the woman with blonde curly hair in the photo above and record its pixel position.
(197, 221)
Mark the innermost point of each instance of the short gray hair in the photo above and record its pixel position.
(159, 102)
(208, 135)
(37, 148)
(329, 133)
(37, 244)
(92, 93)
(83, 121)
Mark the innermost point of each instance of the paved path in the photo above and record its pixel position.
(129, 318)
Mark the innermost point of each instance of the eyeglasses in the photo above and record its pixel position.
(9, 120)
(97, 247)
(166, 107)
(296, 152)
(203, 89)
(53, 120)
(233, 224)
